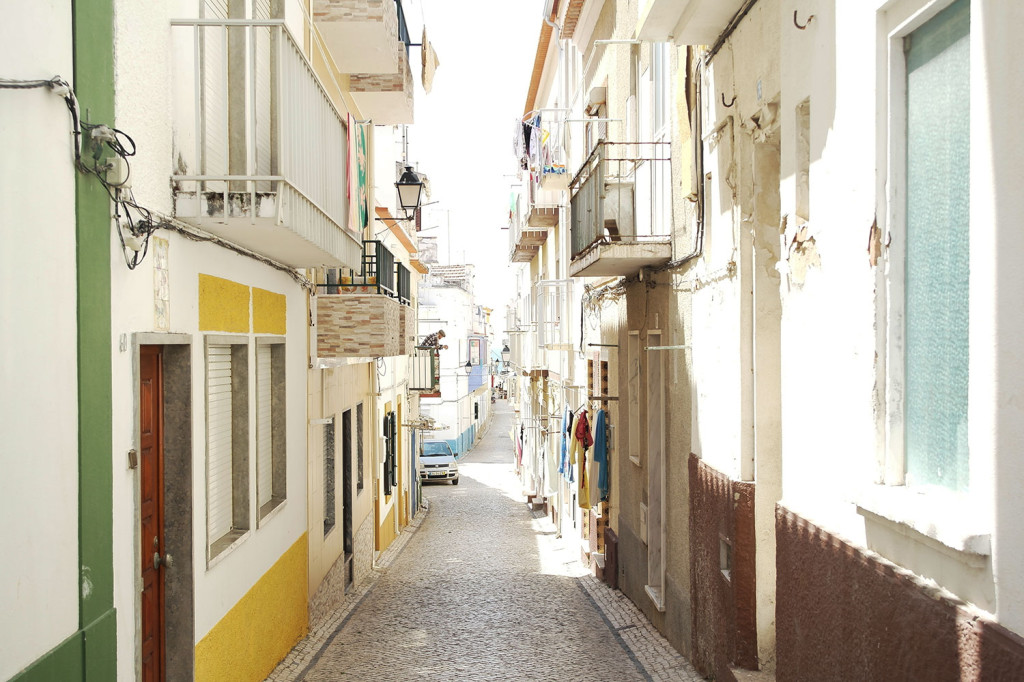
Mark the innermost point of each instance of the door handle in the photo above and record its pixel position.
(167, 560)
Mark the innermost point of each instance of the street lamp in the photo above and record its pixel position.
(505, 354)
(468, 367)
(410, 190)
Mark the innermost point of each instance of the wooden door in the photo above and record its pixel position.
(151, 405)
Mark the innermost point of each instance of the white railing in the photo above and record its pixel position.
(265, 133)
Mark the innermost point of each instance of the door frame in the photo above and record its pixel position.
(179, 585)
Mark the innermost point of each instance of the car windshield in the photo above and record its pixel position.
(436, 450)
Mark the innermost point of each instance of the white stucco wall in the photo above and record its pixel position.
(219, 587)
(38, 360)
(833, 396)
(145, 109)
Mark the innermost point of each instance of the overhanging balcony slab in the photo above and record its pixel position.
(685, 22)
(360, 34)
(265, 233)
(620, 259)
(543, 216)
(385, 98)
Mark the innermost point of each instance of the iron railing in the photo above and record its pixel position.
(403, 281)
(426, 370)
(263, 127)
(379, 271)
(622, 194)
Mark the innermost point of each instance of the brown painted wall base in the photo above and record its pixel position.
(844, 614)
(724, 601)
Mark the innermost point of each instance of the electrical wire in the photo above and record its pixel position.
(129, 216)
(91, 141)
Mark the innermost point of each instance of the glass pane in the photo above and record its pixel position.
(938, 180)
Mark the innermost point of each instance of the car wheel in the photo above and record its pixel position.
(455, 481)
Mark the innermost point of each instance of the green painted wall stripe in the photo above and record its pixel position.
(101, 648)
(91, 652)
(94, 86)
(64, 662)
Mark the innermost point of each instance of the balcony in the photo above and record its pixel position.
(425, 374)
(621, 210)
(260, 151)
(367, 315)
(369, 40)
(686, 22)
(526, 242)
(386, 98)
(362, 35)
(525, 239)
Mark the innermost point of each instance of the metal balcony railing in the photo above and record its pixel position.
(622, 194)
(403, 281)
(380, 272)
(261, 138)
(425, 376)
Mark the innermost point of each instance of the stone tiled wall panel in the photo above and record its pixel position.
(724, 608)
(386, 82)
(382, 11)
(357, 325)
(843, 613)
(362, 551)
(331, 593)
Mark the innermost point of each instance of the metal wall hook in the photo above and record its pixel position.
(797, 23)
(729, 105)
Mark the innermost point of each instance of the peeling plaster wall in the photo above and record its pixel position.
(829, 319)
(835, 321)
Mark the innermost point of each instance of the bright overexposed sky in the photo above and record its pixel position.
(462, 135)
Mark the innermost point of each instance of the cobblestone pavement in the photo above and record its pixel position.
(479, 588)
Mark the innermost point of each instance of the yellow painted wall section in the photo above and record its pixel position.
(262, 627)
(223, 305)
(386, 530)
(268, 312)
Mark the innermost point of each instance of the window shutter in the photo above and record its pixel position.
(394, 449)
(264, 428)
(218, 429)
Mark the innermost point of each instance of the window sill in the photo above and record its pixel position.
(949, 519)
(270, 510)
(655, 595)
(223, 546)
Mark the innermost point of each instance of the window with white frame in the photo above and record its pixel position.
(270, 424)
(656, 494)
(930, 67)
(227, 442)
(633, 388)
(660, 75)
(550, 297)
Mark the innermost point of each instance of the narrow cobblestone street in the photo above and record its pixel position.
(481, 589)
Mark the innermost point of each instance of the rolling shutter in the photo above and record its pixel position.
(264, 427)
(218, 441)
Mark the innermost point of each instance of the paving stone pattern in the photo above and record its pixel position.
(478, 587)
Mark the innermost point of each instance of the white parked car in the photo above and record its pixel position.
(437, 462)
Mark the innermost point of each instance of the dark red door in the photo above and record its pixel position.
(151, 423)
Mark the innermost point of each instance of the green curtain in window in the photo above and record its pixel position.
(938, 240)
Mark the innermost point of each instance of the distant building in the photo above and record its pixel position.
(446, 302)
